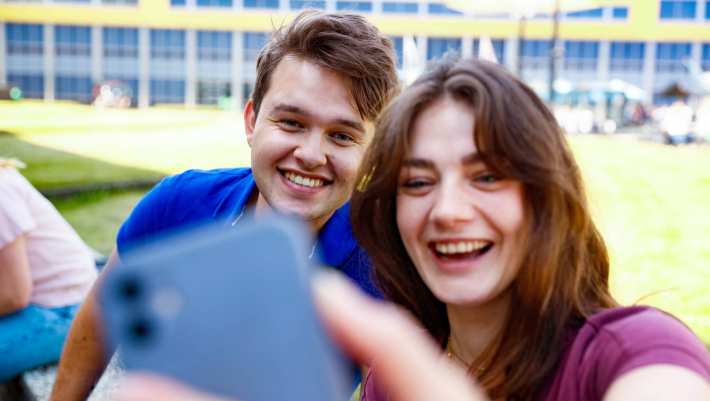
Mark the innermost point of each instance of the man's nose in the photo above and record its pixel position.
(310, 153)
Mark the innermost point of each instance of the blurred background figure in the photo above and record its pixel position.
(45, 272)
(677, 122)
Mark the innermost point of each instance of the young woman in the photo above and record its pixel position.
(45, 272)
(473, 211)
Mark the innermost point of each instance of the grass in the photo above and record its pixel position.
(650, 201)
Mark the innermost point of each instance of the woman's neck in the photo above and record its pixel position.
(474, 327)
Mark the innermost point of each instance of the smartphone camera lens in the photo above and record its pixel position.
(140, 331)
(130, 289)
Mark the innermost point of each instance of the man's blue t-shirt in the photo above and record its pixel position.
(196, 196)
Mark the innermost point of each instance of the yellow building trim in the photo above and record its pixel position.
(642, 24)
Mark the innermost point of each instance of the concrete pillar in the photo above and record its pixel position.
(377, 7)
(649, 70)
(603, 60)
(510, 53)
(97, 54)
(330, 5)
(237, 69)
(49, 62)
(701, 9)
(607, 14)
(190, 67)
(423, 11)
(283, 6)
(143, 67)
(696, 55)
(3, 55)
(467, 47)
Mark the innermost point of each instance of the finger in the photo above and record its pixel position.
(151, 387)
(408, 363)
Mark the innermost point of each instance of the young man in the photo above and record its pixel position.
(321, 82)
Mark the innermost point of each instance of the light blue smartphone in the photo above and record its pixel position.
(227, 310)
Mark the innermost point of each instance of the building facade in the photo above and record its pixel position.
(195, 52)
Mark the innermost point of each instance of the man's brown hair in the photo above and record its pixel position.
(344, 43)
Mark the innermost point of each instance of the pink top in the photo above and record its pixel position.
(609, 344)
(61, 265)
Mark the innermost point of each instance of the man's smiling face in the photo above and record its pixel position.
(307, 141)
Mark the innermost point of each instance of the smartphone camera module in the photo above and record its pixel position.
(130, 289)
(141, 331)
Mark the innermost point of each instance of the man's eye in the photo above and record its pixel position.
(290, 124)
(342, 137)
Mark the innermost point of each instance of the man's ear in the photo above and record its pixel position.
(249, 121)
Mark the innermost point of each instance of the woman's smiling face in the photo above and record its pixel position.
(461, 223)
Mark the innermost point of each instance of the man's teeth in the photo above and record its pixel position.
(449, 248)
(304, 181)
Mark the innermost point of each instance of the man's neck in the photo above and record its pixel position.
(258, 205)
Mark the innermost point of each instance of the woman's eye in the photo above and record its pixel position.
(487, 178)
(415, 183)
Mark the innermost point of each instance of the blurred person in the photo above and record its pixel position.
(46, 270)
(677, 122)
(474, 213)
(321, 82)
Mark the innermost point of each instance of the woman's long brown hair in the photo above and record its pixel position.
(564, 270)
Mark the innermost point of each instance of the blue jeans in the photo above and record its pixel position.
(32, 337)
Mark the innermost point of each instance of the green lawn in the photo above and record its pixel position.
(650, 201)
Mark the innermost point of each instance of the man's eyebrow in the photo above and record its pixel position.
(289, 108)
(356, 125)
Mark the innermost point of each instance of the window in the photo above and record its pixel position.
(400, 7)
(498, 49)
(73, 88)
(273, 4)
(167, 44)
(678, 9)
(120, 42)
(214, 45)
(536, 54)
(437, 47)
(32, 85)
(581, 55)
(167, 91)
(210, 91)
(177, 3)
(442, 9)
(627, 56)
(670, 57)
(353, 5)
(705, 62)
(214, 3)
(589, 14)
(253, 42)
(24, 39)
(620, 12)
(301, 4)
(72, 40)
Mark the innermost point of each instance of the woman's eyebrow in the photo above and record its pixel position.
(473, 158)
(418, 163)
